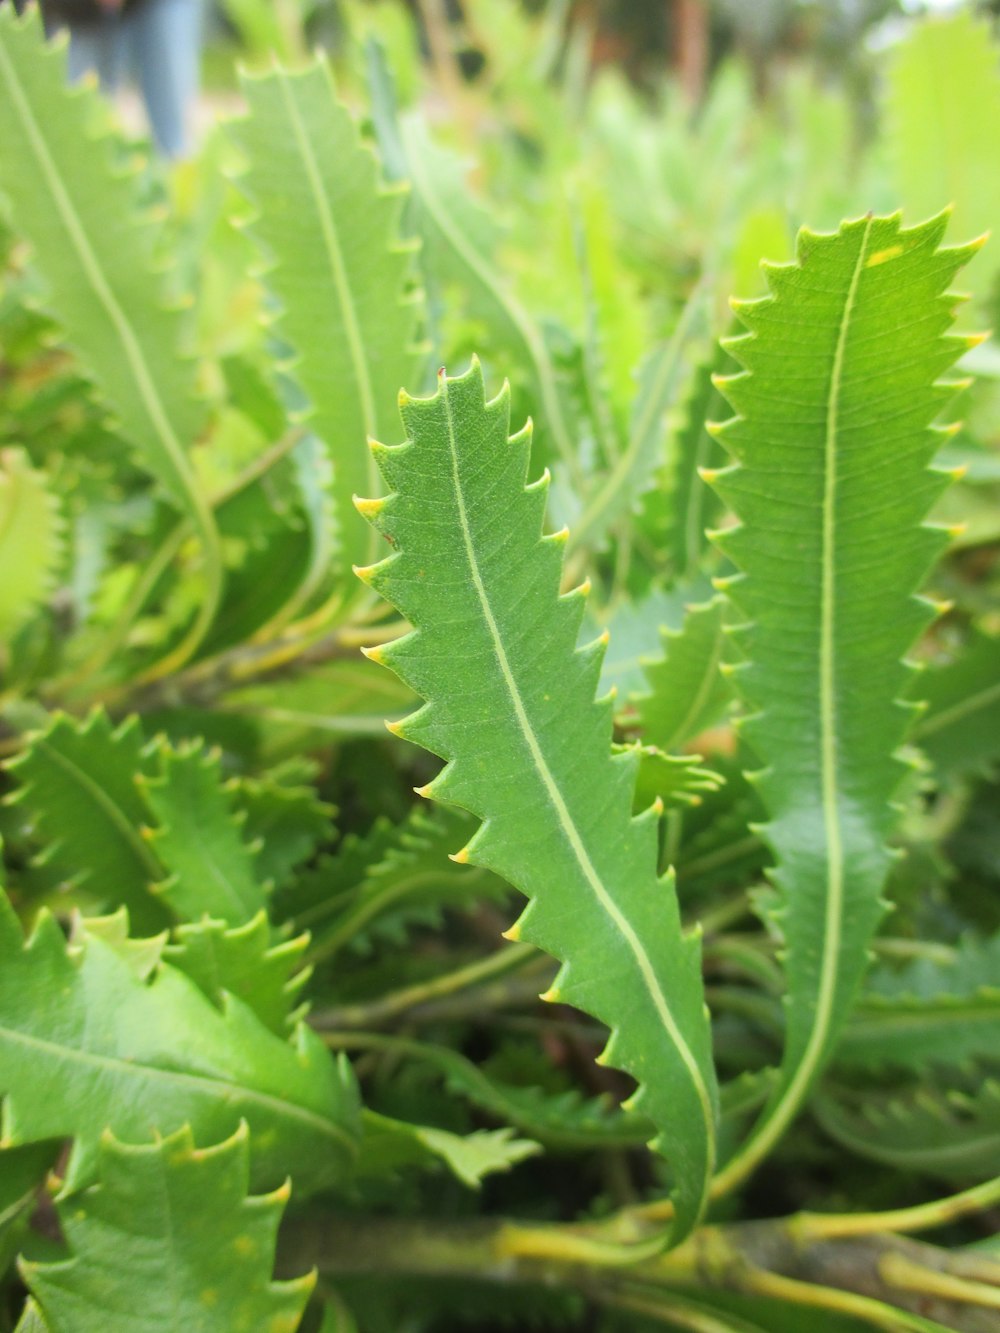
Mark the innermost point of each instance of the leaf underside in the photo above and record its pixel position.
(511, 707)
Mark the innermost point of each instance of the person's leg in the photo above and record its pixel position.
(165, 41)
(97, 47)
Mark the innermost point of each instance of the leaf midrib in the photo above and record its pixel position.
(786, 1107)
(566, 823)
(91, 266)
(220, 1090)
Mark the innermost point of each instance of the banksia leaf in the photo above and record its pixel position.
(200, 1251)
(86, 1045)
(390, 1144)
(832, 485)
(77, 783)
(511, 708)
(198, 839)
(29, 539)
(242, 961)
(329, 231)
(687, 691)
(99, 257)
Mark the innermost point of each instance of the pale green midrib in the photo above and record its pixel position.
(565, 819)
(871, 1024)
(100, 798)
(345, 295)
(914, 1156)
(218, 1088)
(708, 682)
(971, 704)
(607, 488)
(786, 1107)
(518, 316)
(91, 266)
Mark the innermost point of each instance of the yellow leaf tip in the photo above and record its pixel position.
(367, 508)
(424, 791)
(550, 996)
(461, 857)
(512, 933)
(375, 654)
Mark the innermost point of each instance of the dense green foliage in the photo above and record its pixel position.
(672, 998)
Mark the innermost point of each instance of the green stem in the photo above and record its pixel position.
(402, 1001)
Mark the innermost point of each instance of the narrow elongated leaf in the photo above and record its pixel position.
(687, 691)
(98, 255)
(953, 1135)
(832, 486)
(662, 377)
(86, 1046)
(29, 539)
(511, 707)
(458, 236)
(915, 1033)
(329, 231)
(168, 1238)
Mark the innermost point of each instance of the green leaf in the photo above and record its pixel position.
(168, 1238)
(928, 1012)
(960, 731)
(376, 888)
(511, 707)
(242, 961)
(86, 1046)
(329, 230)
(458, 237)
(561, 1120)
(663, 376)
(30, 539)
(285, 823)
(951, 1134)
(687, 691)
(78, 784)
(198, 838)
(389, 1144)
(832, 484)
(943, 148)
(100, 256)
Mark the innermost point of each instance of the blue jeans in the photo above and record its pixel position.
(160, 43)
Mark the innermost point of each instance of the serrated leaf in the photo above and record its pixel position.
(78, 783)
(389, 1144)
(198, 838)
(687, 692)
(29, 539)
(199, 1249)
(952, 1135)
(329, 231)
(960, 731)
(285, 823)
(662, 378)
(242, 961)
(511, 707)
(98, 254)
(85, 1046)
(378, 887)
(832, 484)
(458, 237)
(927, 1012)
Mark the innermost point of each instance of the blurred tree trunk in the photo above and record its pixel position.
(691, 39)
